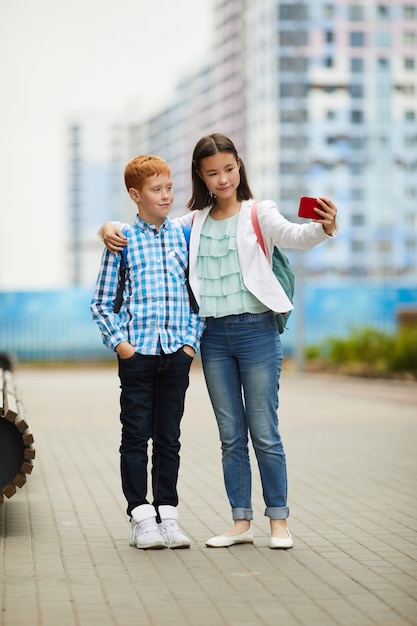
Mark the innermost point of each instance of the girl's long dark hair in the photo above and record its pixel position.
(208, 146)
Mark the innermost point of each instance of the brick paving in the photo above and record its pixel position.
(352, 461)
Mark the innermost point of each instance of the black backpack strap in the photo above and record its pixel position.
(121, 285)
(193, 301)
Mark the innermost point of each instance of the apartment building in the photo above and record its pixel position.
(347, 79)
(321, 99)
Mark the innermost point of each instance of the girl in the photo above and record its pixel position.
(240, 349)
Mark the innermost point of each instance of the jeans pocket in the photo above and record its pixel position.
(129, 358)
(187, 356)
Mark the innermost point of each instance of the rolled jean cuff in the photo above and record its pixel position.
(242, 514)
(277, 512)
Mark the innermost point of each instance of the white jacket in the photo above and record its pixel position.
(254, 265)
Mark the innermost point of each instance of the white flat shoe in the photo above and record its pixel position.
(282, 543)
(221, 541)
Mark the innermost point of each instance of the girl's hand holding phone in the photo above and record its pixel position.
(321, 210)
(306, 208)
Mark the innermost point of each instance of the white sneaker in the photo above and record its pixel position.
(146, 535)
(172, 534)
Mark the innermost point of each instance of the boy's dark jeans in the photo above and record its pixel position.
(152, 405)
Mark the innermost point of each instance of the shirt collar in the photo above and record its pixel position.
(146, 227)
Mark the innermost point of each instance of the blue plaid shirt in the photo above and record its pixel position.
(156, 313)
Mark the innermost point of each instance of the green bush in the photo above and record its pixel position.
(404, 356)
(382, 352)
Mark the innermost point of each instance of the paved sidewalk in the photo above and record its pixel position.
(352, 461)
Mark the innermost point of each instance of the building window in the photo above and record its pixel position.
(357, 143)
(287, 168)
(410, 140)
(410, 219)
(289, 90)
(287, 141)
(356, 66)
(384, 245)
(357, 39)
(356, 13)
(356, 117)
(383, 64)
(382, 12)
(358, 246)
(296, 142)
(286, 64)
(409, 37)
(75, 135)
(329, 36)
(356, 168)
(409, 63)
(293, 12)
(356, 194)
(330, 114)
(286, 12)
(357, 219)
(290, 116)
(409, 116)
(293, 64)
(358, 270)
(356, 91)
(328, 62)
(328, 10)
(409, 90)
(410, 12)
(293, 37)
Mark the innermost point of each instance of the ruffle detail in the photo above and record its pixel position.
(218, 247)
(218, 257)
(235, 304)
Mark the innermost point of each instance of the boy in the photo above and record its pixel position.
(155, 336)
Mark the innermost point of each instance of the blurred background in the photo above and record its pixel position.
(319, 97)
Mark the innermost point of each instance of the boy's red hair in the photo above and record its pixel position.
(142, 167)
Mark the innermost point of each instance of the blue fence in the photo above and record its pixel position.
(56, 325)
(51, 325)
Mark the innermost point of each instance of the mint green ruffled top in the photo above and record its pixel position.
(222, 290)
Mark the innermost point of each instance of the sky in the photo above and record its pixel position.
(58, 58)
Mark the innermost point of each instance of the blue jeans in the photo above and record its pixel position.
(242, 359)
(152, 404)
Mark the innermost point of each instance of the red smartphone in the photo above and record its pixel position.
(306, 208)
